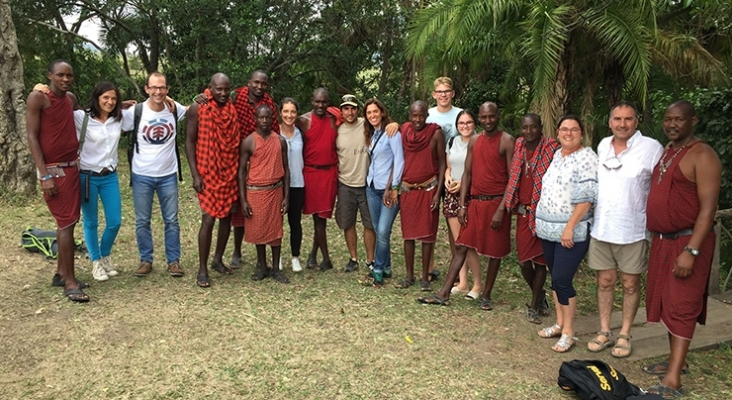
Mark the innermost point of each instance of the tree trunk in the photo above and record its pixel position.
(16, 166)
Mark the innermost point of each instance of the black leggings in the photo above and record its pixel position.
(294, 219)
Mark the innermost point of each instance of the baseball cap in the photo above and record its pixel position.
(349, 100)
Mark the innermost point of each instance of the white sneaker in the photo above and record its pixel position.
(296, 267)
(98, 271)
(280, 263)
(108, 267)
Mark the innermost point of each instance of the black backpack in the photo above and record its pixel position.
(132, 144)
(595, 380)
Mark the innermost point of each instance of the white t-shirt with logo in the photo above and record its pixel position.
(155, 153)
(446, 121)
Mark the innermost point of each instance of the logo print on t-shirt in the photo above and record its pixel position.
(158, 131)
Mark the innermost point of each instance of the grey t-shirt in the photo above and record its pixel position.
(446, 121)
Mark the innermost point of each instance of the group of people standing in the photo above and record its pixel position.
(249, 170)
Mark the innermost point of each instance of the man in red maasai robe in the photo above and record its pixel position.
(212, 149)
(247, 99)
(423, 176)
(320, 130)
(53, 145)
(531, 157)
(680, 214)
(486, 179)
(264, 189)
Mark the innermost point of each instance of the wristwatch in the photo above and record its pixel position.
(693, 252)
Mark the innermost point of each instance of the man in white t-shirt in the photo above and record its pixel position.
(154, 167)
(445, 115)
(618, 236)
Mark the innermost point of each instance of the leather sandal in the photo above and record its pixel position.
(564, 344)
(621, 347)
(551, 331)
(600, 345)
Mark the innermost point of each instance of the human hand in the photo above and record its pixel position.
(41, 87)
(391, 129)
(246, 209)
(201, 99)
(684, 265)
(198, 185)
(49, 187)
(462, 216)
(127, 104)
(567, 237)
(497, 218)
(170, 103)
(455, 188)
(435, 201)
(285, 206)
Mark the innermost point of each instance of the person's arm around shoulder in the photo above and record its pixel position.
(74, 100)
(391, 129)
(286, 178)
(191, 142)
(246, 149)
(462, 213)
(708, 177)
(438, 143)
(303, 123)
(505, 149)
(37, 101)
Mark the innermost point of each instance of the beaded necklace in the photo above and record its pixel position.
(664, 164)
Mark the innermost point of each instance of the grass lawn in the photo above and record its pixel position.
(324, 336)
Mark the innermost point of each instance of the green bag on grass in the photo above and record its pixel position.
(39, 241)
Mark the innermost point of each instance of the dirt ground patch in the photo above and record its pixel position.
(325, 336)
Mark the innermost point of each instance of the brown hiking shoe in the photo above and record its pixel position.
(145, 269)
(175, 270)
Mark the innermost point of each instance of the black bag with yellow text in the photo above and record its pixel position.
(595, 380)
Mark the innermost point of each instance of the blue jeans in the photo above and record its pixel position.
(382, 218)
(105, 188)
(143, 190)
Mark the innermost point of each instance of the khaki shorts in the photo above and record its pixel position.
(351, 200)
(628, 258)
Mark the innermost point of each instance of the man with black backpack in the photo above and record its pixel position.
(154, 163)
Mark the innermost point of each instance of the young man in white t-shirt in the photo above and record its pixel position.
(445, 115)
(154, 167)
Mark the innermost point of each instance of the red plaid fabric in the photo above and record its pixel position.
(245, 112)
(217, 156)
(538, 165)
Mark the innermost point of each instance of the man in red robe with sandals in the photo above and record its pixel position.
(264, 187)
(424, 175)
(54, 147)
(680, 214)
(212, 149)
(320, 130)
(485, 179)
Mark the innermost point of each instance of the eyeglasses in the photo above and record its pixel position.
(442, 92)
(157, 88)
(465, 123)
(573, 130)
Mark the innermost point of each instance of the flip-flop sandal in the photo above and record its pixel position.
(485, 304)
(404, 284)
(221, 268)
(532, 315)
(621, 347)
(278, 276)
(312, 263)
(76, 295)
(665, 391)
(202, 281)
(434, 300)
(599, 343)
(424, 286)
(260, 274)
(433, 275)
(235, 263)
(653, 368)
(57, 281)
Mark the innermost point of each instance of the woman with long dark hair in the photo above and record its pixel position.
(382, 182)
